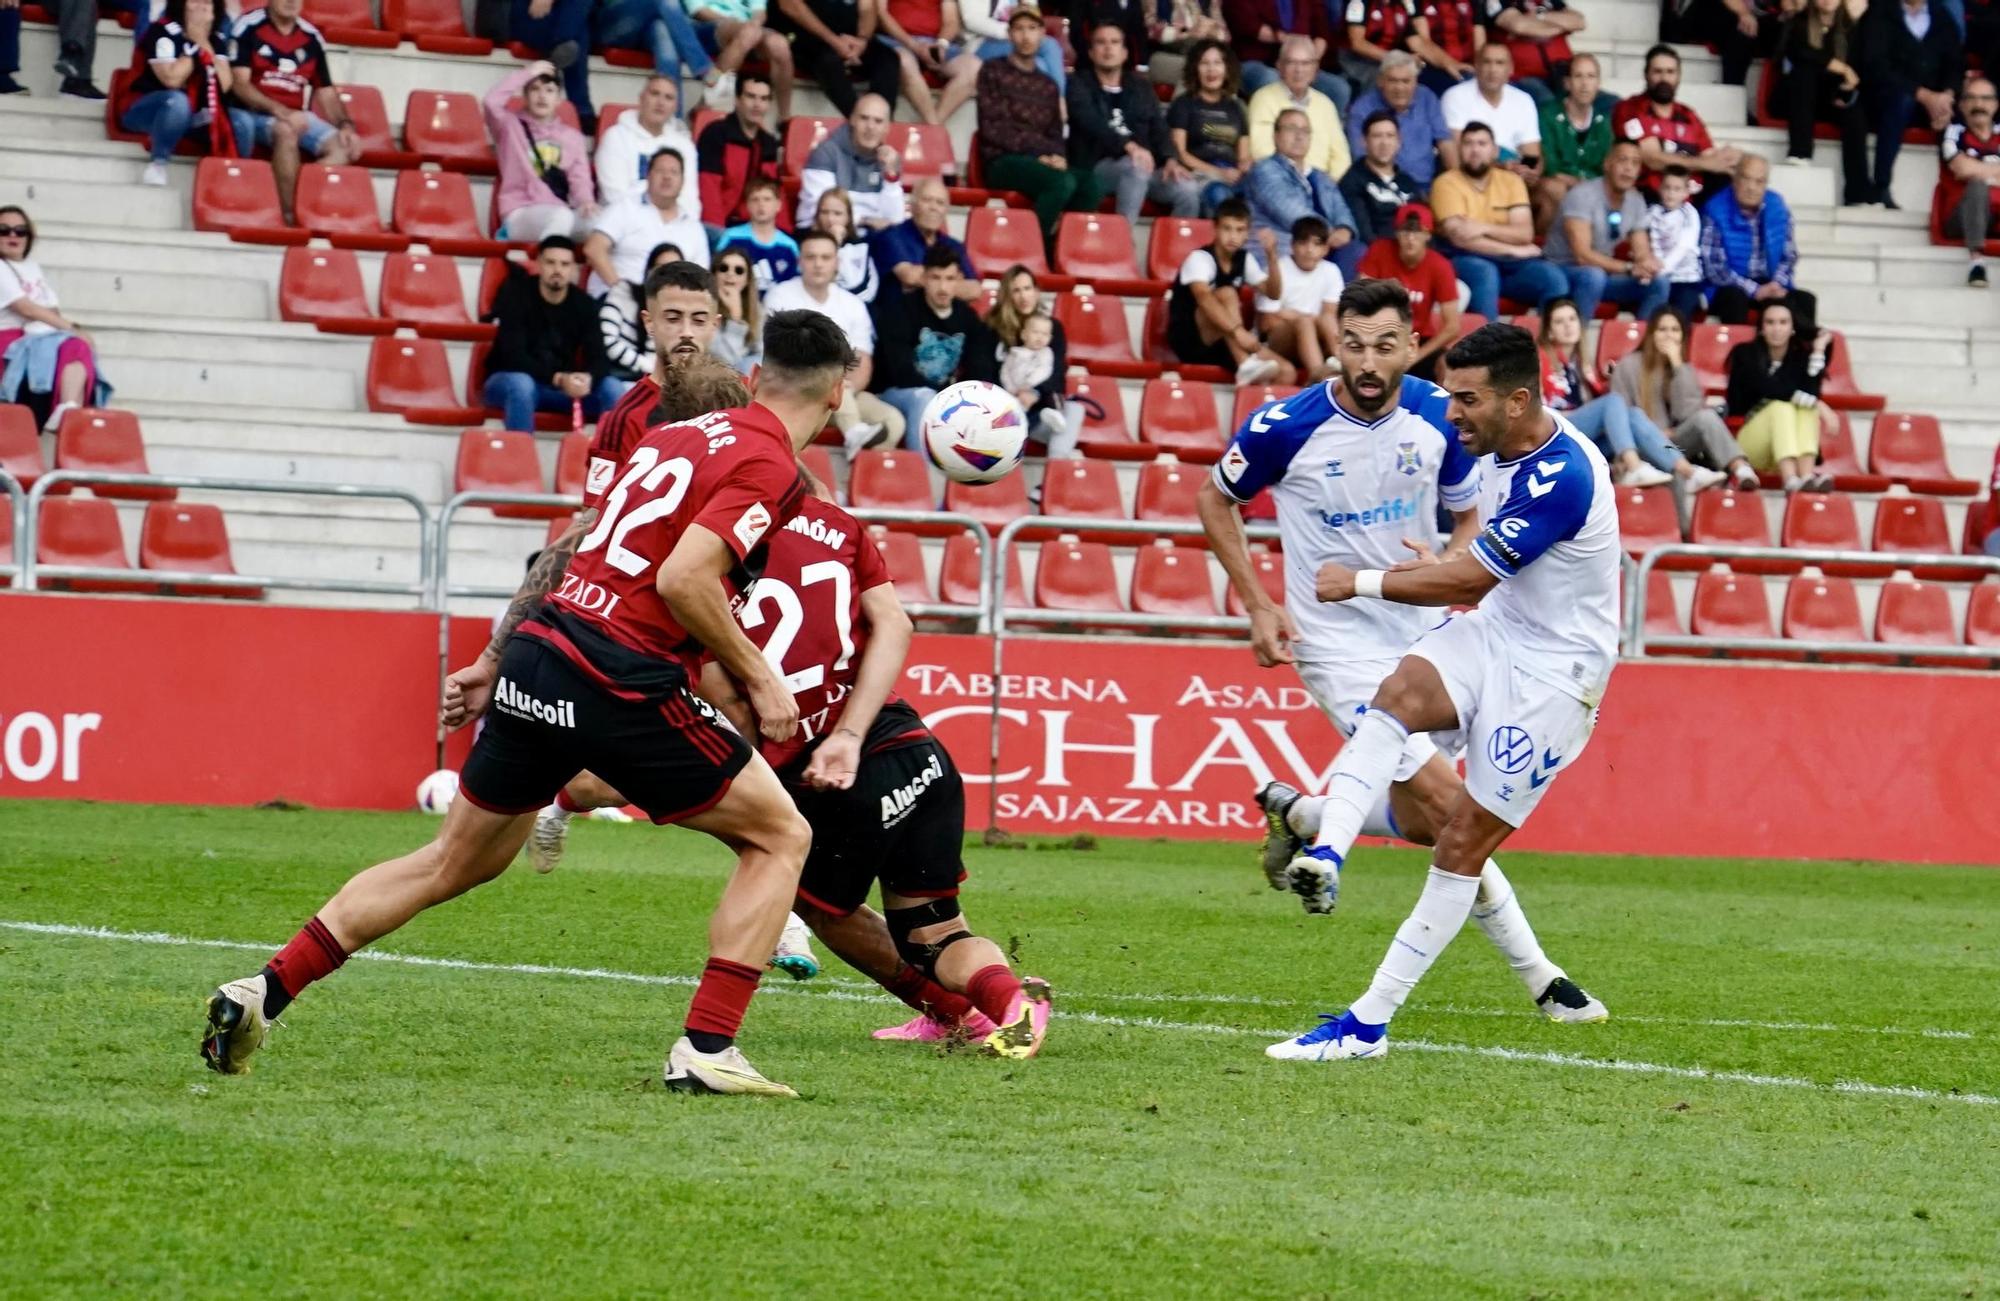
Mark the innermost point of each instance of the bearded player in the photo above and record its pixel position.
(596, 674)
(1356, 468)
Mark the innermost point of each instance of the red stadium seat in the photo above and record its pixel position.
(1083, 489)
(1251, 396)
(96, 438)
(446, 127)
(1663, 617)
(1911, 612)
(1159, 309)
(1529, 321)
(1910, 449)
(1076, 575)
(904, 556)
(1724, 517)
(412, 378)
(423, 292)
(1838, 386)
(6, 544)
(1167, 495)
(548, 422)
(437, 26)
(1173, 239)
(607, 117)
(890, 480)
(20, 447)
(350, 22)
(1837, 458)
(1269, 566)
(999, 238)
(802, 136)
(239, 197)
(958, 575)
(493, 273)
(371, 123)
(1982, 614)
(1647, 519)
(323, 286)
(1824, 521)
(1708, 352)
(1615, 340)
(1729, 605)
(572, 463)
(436, 207)
(499, 460)
(190, 539)
(1470, 321)
(1098, 338)
(338, 204)
(1100, 248)
(1105, 430)
(1167, 579)
(1179, 415)
(820, 462)
(1824, 608)
(83, 531)
(1911, 526)
(994, 505)
(925, 150)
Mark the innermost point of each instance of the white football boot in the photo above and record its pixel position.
(794, 955)
(728, 1071)
(236, 1025)
(1335, 1038)
(1565, 1000)
(547, 840)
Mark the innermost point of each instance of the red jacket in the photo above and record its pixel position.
(728, 160)
(1246, 16)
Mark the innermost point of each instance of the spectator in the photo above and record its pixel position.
(628, 231)
(1640, 455)
(899, 251)
(1666, 130)
(1774, 384)
(1820, 82)
(858, 159)
(621, 327)
(1912, 59)
(1658, 381)
(283, 97)
(1536, 33)
(41, 350)
(1208, 125)
(739, 338)
(1576, 134)
(1969, 176)
(1743, 31)
(1375, 28)
(76, 48)
(1261, 28)
(773, 254)
(927, 38)
(1447, 35)
(833, 42)
(549, 352)
(1748, 252)
(545, 185)
(1184, 24)
(1301, 324)
(663, 28)
(991, 22)
(1205, 315)
(736, 150)
(1509, 115)
(1021, 129)
(856, 271)
(10, 50)
(1673, 227)
(1285, 187)
(559, 31)
(1596, 220)
(1423, 138)
(1116, 131)
(180, 75)
(629, 145)
(735, 30)
(1130, 17)
(1483, 211)
(1029, 364)
(1407, 257)
(1376, 188)
(928, 338)
(1296, 90)
(864, 420)
(1048, 410)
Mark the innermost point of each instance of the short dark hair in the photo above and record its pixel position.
(940, 255)
(1378, 117)
(697, 386)
(1625, 142)
(1509, 353)
(659, 251)
(678, 275)
(1311, 228)
(1676, 171)
(1367, 296)
(1657, 51)
(808, 236)
(746, 78)
(1470, 127)
(805, 352)
(674, 154)
(562, 242)
(1232, 207)
(757, 183)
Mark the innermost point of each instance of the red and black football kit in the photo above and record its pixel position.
(618, 432)
(286, 66)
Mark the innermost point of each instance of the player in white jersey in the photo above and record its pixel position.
(1518, 680)
(1356, 470)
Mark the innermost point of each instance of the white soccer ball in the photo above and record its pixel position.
(436, 792)
(975, 432)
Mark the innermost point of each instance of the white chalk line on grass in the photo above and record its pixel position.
(1855, 1087)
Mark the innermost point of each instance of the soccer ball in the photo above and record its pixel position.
(975, 432)
(436, 792)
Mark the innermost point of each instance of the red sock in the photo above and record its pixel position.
(926, 995)
(992, 990)
(722, 997)
(312, 953)
(568, 805)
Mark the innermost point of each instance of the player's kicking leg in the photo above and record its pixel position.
(861, 939)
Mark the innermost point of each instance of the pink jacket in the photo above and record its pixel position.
(519, 185)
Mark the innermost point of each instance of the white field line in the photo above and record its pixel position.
(1857, 1087)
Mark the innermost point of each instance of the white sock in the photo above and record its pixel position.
(1360, 777)
(558, 811)
(1499, 914)
(1304, 818)
(1440, 912)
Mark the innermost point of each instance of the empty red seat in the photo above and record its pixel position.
(239, 197)
(1982, 614)
(1727, 604)
(999, 238)
(371, 123)
(1179, 415)
(423, 292)
(1083, 489)
(1099, 247)
(437, 26)
(97, 438)
(903, 555)
(802, 136)
(1823, 521)
(1616, 340)
(925, 149)
(1105, 430)
(350, 22)
(338, 204)
(1911, 612)
(1167, 579)
(83, 531)
(1663, 618)
(1911, 525)
(323, 286)
(1251, 396)
(1724, 517)
(1269, 566)
(1647, 519)
(890, 480)
(958, 574)
(1099, 339)
(572, 463)
(20, 447)
(820, 462)
(1838, 386)
(499, 460)
(445, 127)
(1824, 608)
(1075, 575)
(1909, 448)
(412, 377)
(190, 538)
(1173, 239)
(436, 207)
(1167, 494)
(1838, 458)
(994, 505)
(1708, 352)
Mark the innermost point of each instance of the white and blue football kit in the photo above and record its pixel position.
(1350, 491)
(1526, 670)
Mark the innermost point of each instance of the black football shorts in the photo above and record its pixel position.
(903, 822)
(673, 756)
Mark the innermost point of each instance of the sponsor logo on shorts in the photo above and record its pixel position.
(510, 699)
(752, 525)
(896, 805)
(1510, 749)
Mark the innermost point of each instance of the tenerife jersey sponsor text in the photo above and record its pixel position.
(1350, 490)
(1550, 536)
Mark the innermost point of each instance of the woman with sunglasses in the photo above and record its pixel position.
(41, 350)
(740, 340)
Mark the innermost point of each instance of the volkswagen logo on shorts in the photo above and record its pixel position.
(1510, 749)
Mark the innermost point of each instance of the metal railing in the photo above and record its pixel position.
(14, 564)
(1638, 641)
(33, 573)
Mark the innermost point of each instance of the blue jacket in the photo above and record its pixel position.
(1729, 243)
(1420, 126)
(1279, 195)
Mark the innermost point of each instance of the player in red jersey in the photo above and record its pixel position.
(598, 678)
(681, 314)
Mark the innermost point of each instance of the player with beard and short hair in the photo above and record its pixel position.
(682, 314)
(596, 674)
(1357, 466)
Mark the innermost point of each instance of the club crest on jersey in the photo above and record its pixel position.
(752, 524)
(1335, 470)
(1408, 459)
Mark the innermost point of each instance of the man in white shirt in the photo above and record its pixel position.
(628, 232)
(1509, 110)
(864, 420)
(640, 133)
(1301, 323)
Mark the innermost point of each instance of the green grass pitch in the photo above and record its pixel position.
(1795, 1095)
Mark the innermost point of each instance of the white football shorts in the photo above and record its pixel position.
(1343, 691)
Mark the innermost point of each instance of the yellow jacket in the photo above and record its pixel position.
(1328, 151)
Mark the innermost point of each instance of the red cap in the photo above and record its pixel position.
(1413, 214)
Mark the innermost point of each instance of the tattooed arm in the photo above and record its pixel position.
(468, 691)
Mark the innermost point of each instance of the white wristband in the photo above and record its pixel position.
(1368, 582)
